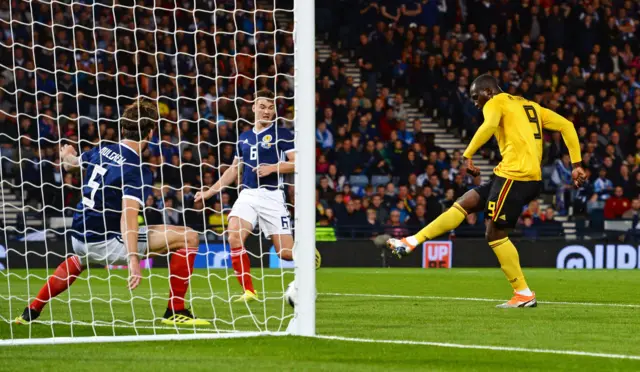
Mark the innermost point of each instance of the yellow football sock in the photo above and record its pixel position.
(449, 220)
(509, 262)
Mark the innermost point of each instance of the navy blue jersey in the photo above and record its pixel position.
(114, 172)
(269, 146)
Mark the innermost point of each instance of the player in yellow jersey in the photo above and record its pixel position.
(517, 124)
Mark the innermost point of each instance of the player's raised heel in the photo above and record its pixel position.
(247, 296)
(28, 316)
(399, 248)
(182, 317)
(519, 301)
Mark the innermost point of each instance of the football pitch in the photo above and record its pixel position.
(368, 320)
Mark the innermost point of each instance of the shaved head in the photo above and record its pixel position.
(483, 88)
(486, 81)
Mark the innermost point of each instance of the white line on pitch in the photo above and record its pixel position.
(135, 338)
(482, 347)
(125, 326)
(445, 298)
(141, 295)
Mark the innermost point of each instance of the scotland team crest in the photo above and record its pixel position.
(266, 141)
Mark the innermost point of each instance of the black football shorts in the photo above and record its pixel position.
(504, 199)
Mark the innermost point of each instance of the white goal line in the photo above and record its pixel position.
(479, 299)
(140, 296)
(481, 347)
(156, 337)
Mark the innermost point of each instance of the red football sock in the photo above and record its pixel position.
(242, 267)
(65, 274)
(180, 270)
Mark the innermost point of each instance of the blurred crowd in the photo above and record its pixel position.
(377, 170)
(579, 58)
(69, 83)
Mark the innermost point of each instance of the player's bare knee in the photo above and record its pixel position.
(470, 201)
(235, 236)
(494, 233)
(233, 233)
(234, 239)
(192, 238)
(286, 254)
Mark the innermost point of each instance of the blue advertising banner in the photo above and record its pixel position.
(212, 256)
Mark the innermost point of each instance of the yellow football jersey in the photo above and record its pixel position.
(517, 124)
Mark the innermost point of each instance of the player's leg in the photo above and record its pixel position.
(510, 264)
(242, 220)
(504, 205)
(275, 222)
(471, 202)
(183, 243)
(64, 275)
(283, 243)
(282, 238)
(238, 231)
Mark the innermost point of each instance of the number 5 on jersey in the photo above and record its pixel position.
(93, 185)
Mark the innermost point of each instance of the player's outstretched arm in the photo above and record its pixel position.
(69, 158)
(492, 114)
(555, 122)
(129, 230)
(227, 178)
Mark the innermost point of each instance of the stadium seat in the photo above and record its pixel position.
(380, 180)
(358, 180)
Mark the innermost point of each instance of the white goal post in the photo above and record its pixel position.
(110, 312)
(304, 14)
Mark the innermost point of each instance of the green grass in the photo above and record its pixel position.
(419, 316)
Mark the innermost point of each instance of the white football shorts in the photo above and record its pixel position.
(265, 208)
(109, 252)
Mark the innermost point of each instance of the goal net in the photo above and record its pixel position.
(68, 69)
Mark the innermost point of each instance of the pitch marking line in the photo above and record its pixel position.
(141, 294)
(444, 298)
(481, 347)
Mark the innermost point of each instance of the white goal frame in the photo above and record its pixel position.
(304, 321)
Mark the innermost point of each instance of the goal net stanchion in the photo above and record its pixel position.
(304, 321)
(97, 309)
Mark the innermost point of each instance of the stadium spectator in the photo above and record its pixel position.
(434, 208)
(561, 178)
(448, 200)
(603, 186)
(395, 226)
(372, 225)
(533, 211)
(424, 53)
(323, 136)
(616, 205)
(528, 229)
(419, 218)
(347, 158)
(634, 211)
(549, 218)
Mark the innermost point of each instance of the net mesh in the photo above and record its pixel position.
(67, 71)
